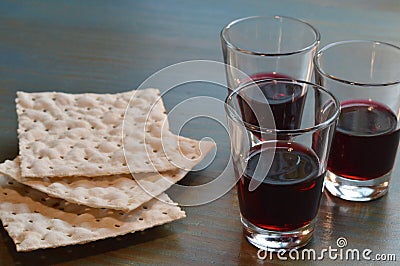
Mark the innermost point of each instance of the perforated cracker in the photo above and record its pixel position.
(119, 192)
(64, 134)
(35, 221)
(173, 151)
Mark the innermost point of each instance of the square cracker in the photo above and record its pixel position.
(35, 221)
(119, 192)
(64, 134)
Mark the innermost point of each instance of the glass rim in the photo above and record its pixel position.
(321, 71)
(238, 119)
(238, 49)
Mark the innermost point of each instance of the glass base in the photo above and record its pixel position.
(276, 240)
(356, 190)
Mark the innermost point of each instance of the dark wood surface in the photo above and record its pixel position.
(112, 46)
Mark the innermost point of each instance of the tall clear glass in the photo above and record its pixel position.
(365, 77)
(268, 47)
(280, 149)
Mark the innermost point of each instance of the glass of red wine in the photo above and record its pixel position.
(280, 165)
(268, 47)
(365, 77)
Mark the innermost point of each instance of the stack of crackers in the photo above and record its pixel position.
(92, 166)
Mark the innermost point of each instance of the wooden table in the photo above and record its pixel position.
(113, 46)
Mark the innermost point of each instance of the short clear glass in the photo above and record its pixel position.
(365, 77)
(279, 148)
(268, 47)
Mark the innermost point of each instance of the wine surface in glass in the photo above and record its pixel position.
(286, 102)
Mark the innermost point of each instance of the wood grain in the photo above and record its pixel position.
(112, 46)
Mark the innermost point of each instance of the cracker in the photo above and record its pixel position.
(119, 192)
(173, 151)
(35, 221)
(64, 134)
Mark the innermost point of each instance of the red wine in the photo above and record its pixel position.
(365, 142)
(268, 75)
(289, 195)
(286, 102)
